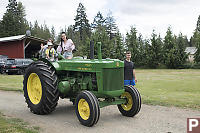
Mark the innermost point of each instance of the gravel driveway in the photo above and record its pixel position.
(151, 119)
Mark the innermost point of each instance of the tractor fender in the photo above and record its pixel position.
(53, 64)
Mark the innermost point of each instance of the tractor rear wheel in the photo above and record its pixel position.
(87, 108)
(133, 105)
(40, 88)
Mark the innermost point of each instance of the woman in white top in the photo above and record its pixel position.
(66, 46)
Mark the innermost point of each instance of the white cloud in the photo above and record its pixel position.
(2, 8)
(146, 15)
(59, 13)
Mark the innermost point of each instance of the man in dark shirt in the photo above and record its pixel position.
(129, 70)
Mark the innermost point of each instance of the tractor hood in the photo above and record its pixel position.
(86, 65)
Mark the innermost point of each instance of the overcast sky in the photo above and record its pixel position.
(145, 15)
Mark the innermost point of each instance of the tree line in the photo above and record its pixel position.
(14, 23)
(154, 52)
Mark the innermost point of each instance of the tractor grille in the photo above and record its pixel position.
(113, 79)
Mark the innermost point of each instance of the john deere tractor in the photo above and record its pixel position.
(89, 83)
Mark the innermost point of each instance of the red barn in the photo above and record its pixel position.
(21, 46)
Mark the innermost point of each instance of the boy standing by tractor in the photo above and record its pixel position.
(129, 70)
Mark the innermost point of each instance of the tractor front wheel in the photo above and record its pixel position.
(133, 104)
(40, 88)
(87, 108)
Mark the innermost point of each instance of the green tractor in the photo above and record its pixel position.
(89, 83)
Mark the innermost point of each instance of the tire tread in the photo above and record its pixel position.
(50, 92)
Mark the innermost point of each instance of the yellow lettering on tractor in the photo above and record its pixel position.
(88, 65)
(117, 64)
(86, 69)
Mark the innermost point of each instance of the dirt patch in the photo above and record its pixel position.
(151, 119)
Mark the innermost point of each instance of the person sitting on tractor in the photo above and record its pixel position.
(42, 52)
(66, 46)
(50, 52)
(129, 70)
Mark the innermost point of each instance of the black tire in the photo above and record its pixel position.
(134, 105)
(97, 106)
(50, 93)
(94, 109)
(140, 101)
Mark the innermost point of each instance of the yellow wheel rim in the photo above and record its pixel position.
(129, 104)
(83, 109)
(34, 88)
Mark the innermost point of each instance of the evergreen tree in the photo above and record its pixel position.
(137, 46)
(70, 32)
(41, 31)
(181, 54)
(198, 25)
(53, 33)
(34, 28)
(141, 61)
(186, 41)
(46, 34)
(145, 58)
(160, 49)
(1, 29)
(82, 23)
(14, 22)
(197, 53)
(22, 24)
(112, 45)
(169, 49)
(98, 21)
(194, 39)
(154, 51)
(132, 44)
(12, 6)
(107, 46)
(118, 49)
(111, 26)
(173, 52)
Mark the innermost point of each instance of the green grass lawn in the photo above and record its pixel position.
(170, 87)
(11, 82)
(157, 86)
(12, 125)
